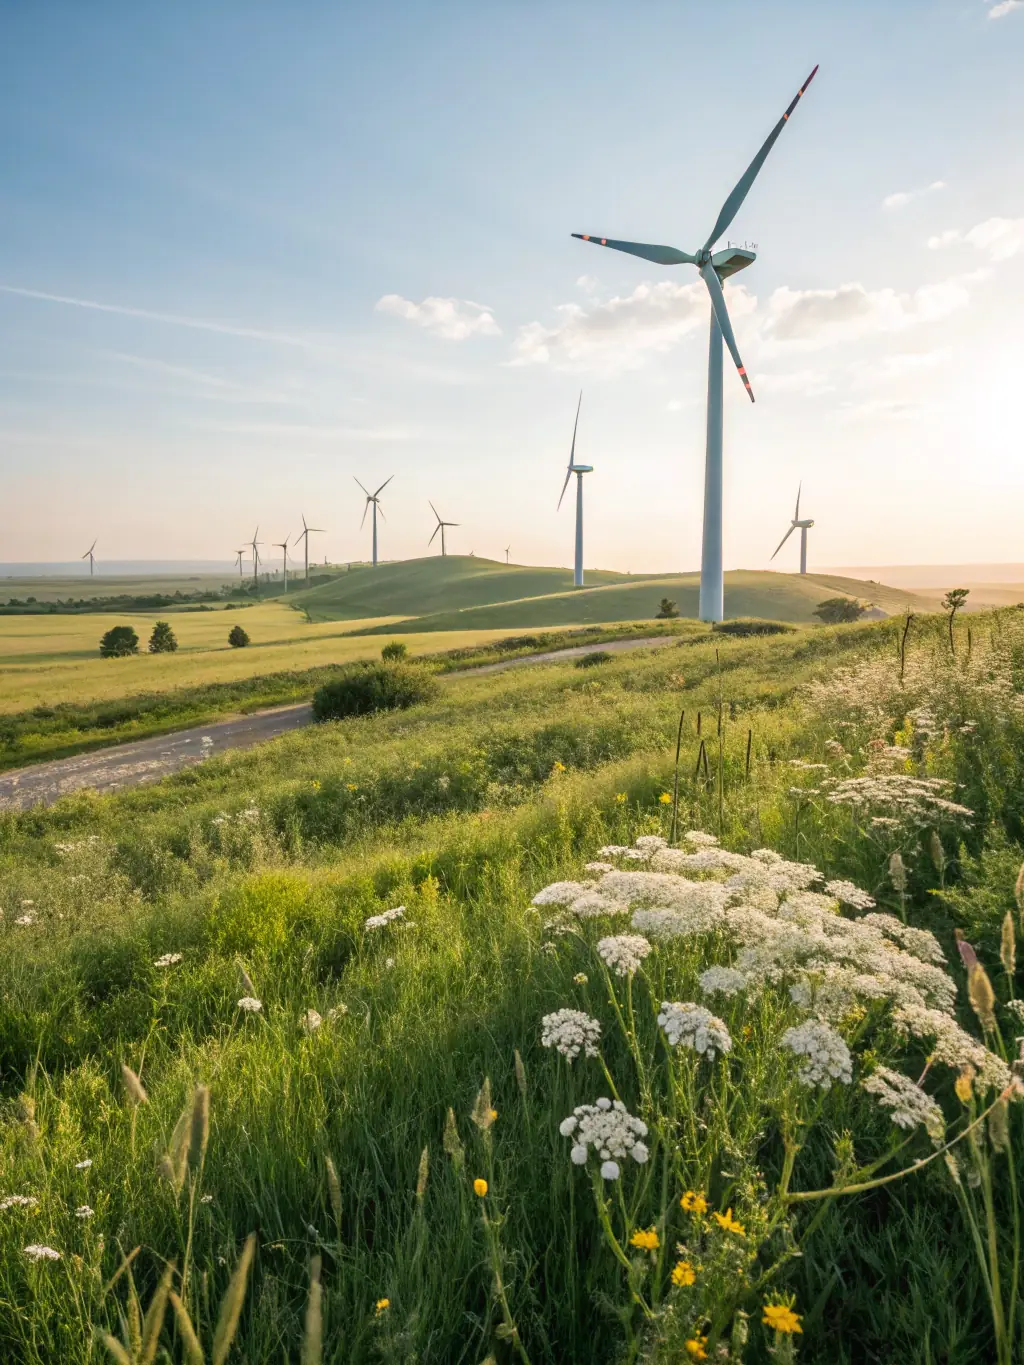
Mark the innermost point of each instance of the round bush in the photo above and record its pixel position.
(238, 638)
(367, 687)
(394, 651)
(598, 656)
(119, 642)
(163, 640)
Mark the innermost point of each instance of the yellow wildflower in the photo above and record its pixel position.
(963, 1085)
(781, 1318)
(479, 1187)
(693, 1202)
(683, 1274)
(620, 798)
(315, 784)
(646, 1241)
(695, 1348)
(665, 798)
(351, 786)
(558, 767)
(382, 1306)
(729, 1224)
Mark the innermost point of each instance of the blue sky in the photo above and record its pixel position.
(245, 256)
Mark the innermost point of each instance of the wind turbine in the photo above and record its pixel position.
(579, 470)
(373, 498)
(239, 555)
(283, 545)
(507, 548)
(305, 534)
(254, 545)
(803, 525)
(90, 557)
(714, 266)
(439, 527)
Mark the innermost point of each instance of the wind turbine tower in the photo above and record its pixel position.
(304, 535)
(714, 267)
(439, 527)
(282, 545)
(254, 545)
(803, 527)
(579, 470)
(373, 498)
(91, 558)
(507, 548)
(239, 555)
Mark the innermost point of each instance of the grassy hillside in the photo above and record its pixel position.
(418, 587)
(407, 1141)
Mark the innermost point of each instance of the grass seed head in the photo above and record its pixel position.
(898, 872)
(982, 997)
(334, 1189)
(452, 1142)
(312, 1339)
(134, 1088)
(186, 1332)
(231, 1304)
(938, 853)
(484, 1114)
(1018, 893)
(999, 1126)
(244, 980)
(200, 1128)
(424, 1172)
(520, 1074)
(1008, 945)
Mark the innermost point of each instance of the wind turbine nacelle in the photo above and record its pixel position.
(581, 469)
(732, 259)
(805, 525)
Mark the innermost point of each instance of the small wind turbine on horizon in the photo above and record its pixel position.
(714, 266)
(579, 470)
(240, 555)
(373, 498)
(439, 527)
(507, 548)
(254, 545)
(90, 557)
(803, 528)
(282, 545)
(304, 535)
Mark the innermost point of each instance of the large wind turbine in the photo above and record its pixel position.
(282, 545)
(254, 545)
(803, 527)
(90, 557)
(239, 555)
(373, 498)
(439, 527)
(714, 266)
(579, 470)
(304, 535)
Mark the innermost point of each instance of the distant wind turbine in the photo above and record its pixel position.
(254, 545)
(579, 470)
(373, 498)
(304, 535)
(439, 527)
(714, 266)
(240, 555)
(803, 528)
(90, 557)
(507, 548)
(283, 546)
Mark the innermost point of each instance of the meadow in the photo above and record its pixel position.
(287, 1034)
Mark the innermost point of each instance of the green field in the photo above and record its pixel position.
(356, 1147)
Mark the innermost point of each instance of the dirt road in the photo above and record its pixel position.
(148, 760)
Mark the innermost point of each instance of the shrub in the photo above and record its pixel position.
(394, 651)
(119, 642)
(837, 611)
(163, 640)
(746, 625)
(238, 638)
(667, 610)
(599, 656)
(368, 687)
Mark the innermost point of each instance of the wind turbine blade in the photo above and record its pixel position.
(366, 508)
(381, 511)
(796, 514)
(434, 510)
(784, 539)
(365, 490)
(436, 529)
(568, 476)
(731, 206)
(383, 485)
(572, 452)
(318, 529)
(710, 277)
(660, 255)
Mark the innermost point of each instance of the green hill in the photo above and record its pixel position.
(421, 587)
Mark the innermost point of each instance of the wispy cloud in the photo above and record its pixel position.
(999, 238)
(1004, 7)
(452, 319)
(312, 432)
(813, 317)
(172, 319)
(902, 198)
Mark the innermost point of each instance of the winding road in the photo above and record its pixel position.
(148, 760)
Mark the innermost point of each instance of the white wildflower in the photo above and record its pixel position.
(571, 1032)
(561, 893)
(697, 838)
(694, 1027)
(35, 1252)
(610, 1131)
(18, 1201)
(651, 843)
(953, 1047)
(623, 953)
(767, 856)
(722, 980)
(167, 960)
(599, 867)
(83, 1165)
(828, 1057)
(595, 903)
(387, 917)
(849, 894)
(907, 1103)
(206, 1199)
(83, 1212)
(311, 1021)
(919, 942)
(581, 978)
(25, 919)
(250, 1004)
(612, 851)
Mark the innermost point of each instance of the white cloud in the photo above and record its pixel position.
(902, 198)
(588, 283)
(813, 317)
(452, 319)
(1004, 7)
(1000, 238)
(622, 333)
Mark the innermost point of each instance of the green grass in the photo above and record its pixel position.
(460, 810)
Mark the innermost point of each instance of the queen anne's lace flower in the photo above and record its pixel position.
(850, 895)
(598, 867)
(35, 1252)
(561, 893)
(907, 1103)
(697, 838)
(953, 1047)
(694, 1027)
(595, 903)
(167, 960)
(250, 1005)
(311, 1021)
(608, 1129)
(623, 953)
(827, 1056)
(83, 1212)
(18, 1201)
(571, 1032)
(385, 918)
(722, 981)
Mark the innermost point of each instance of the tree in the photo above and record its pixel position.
(163, 640)
(837, 611)
(238, 638)
(953, 601)
(394, 651)
(119, 642)
(667, 610)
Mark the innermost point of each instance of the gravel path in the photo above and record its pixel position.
(148, 760)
